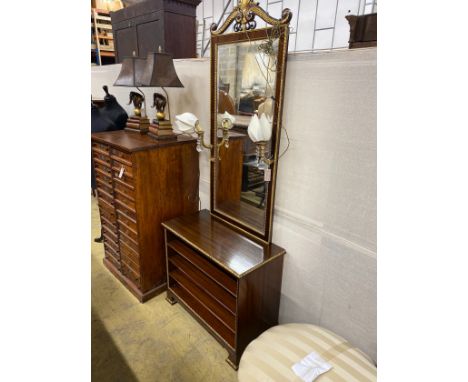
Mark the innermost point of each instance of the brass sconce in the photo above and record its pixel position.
(189, 123)
(259, 131)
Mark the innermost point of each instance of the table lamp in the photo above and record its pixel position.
(160, 72)
(131, 76)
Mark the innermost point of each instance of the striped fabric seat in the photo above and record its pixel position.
(271, 355)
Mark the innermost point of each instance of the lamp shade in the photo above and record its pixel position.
(131, 72)
(160, 71)
(186, 122)
(259, 130)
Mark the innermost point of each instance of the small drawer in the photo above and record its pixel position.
(127, 221)
(129, 243)
(109, 226)
(135, 266)
(102, 159)
(121, 156)
(128, 232)
(109, 242)
(131, 274)
(111, 252)
(125, 202)
(132, 255)
(102, 173)
(113, 235)
(114, 262)
(124, 168)
(128, 213)
(123, 175)
(100, 148)
(105, 205)
(109, 215)
(104, 194)
(124, 190)
(105, 183)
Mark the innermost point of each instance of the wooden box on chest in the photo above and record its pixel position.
(140, 183)
(230, 284)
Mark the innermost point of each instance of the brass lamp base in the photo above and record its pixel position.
(139, 124)
(161, 130)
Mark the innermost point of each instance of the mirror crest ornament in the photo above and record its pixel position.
(244, 16)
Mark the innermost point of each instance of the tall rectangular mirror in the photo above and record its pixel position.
(248, 72)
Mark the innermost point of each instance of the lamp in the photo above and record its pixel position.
(160, 72)
(259, 131)
(130, 75)
(189, 123)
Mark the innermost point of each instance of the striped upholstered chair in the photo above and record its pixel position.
(271, 355)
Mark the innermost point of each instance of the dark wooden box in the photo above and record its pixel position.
(145, 26)
(363, 30)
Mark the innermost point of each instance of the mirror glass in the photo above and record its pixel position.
(246, 83)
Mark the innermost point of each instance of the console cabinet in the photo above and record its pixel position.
(140, 183)
(228, 282)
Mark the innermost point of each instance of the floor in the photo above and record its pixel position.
(153, 341)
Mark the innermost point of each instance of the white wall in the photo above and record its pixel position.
(325, 213)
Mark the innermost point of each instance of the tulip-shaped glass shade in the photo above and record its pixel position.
(186, 122)
(259, 129)
(160, 71)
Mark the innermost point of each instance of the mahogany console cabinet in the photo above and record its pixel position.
(228, 282)
(141, 182)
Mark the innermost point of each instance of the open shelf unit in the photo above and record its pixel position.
(102, 38)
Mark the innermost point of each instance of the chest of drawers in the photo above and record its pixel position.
(229, 283)
(140, 183)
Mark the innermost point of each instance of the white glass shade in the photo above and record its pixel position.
(226, 115)
(259, 129)
(186, 122)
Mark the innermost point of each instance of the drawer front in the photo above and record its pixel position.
(122, 169)
(102, 159)
(100, 148)
(105, 195)
(123, 190)
(129, 214)
(128, 232)
(129, 243)
(126, 221)
(130, 262)
(121, 156)
(131, 274)
(125, 176)
(125, 202)
(115, 262)
(105, 184)
(130, 254)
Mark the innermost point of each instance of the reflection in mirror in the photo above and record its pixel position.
(246, 78)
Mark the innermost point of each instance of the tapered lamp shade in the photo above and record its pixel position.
(160, 72)
(259, 129)
(131, 72)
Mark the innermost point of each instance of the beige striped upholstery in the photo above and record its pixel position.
(271, 355)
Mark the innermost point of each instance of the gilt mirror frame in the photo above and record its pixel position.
(243, 16)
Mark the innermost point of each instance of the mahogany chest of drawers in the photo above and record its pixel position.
(228, 282)
(140, 183)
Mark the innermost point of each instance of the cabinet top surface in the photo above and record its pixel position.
(233, 251)
(134, 141)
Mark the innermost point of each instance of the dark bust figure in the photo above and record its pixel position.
(159, 102)
(113, 110)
